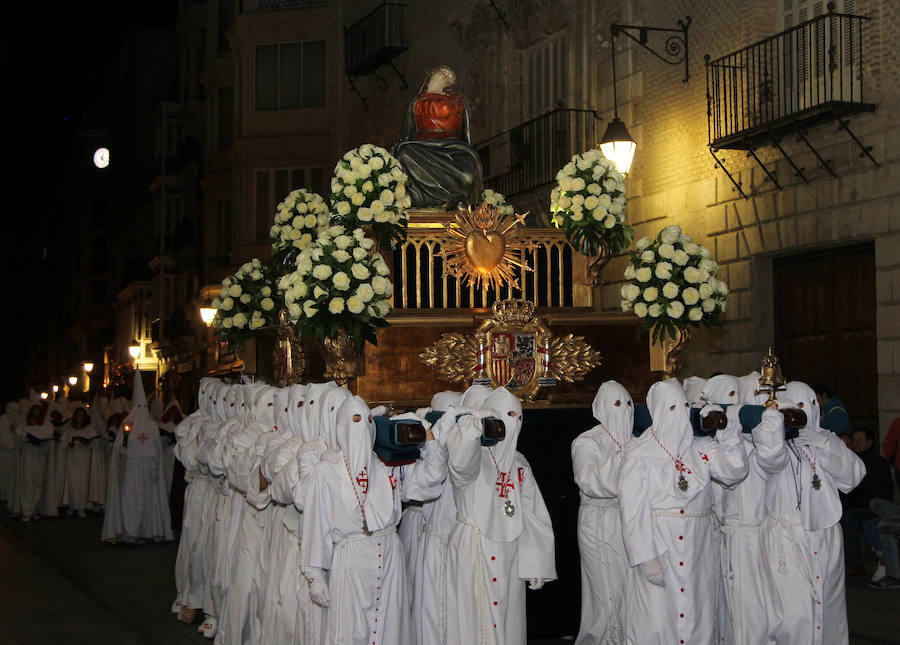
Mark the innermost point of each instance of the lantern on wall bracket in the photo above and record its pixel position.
(617, 143)
(134, 349)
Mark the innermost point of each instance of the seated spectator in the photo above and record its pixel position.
(834, 413)
(888, 528)
(876, 484)
(890, 447)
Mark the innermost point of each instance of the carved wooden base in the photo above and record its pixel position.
(664, 354)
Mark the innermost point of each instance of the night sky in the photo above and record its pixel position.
(59, 57)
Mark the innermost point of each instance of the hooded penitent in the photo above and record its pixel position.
(693, 390)
(748, 390)
(38, 491)
(722, 389)
(328, 405)
(596, 462)
(670, 412)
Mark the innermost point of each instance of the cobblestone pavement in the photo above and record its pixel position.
(59, 584)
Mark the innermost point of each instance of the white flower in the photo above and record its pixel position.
(643, 274)
(309, 308)
(300, 290)
(294, 311)
(336, 305)
(651, 294)
(365, 291)
(578, 183)
(364, 214)
(670, 234)
(594, 188)
(358, 199)
(240, 320)
(704, 252)
(690, 296)
(355, 305)
(310, 221)
(340, 256)
(670, 290)
(387, 197)
(640, 309)
(709, 305)
(626, 305)
(663, 271)
(367, 243)
(631, 291)
(629, 272)
(692, 275)
(266, 292)
(648, 256)
(227, 323)
(610, 184)
(235, 290)
(318, 292)
(708, 265)
(226, 282)
(695, 314)
(705, 290)
(342, 208)
(691, 249)
(383, 307)
(654, 310)
(680, 258)
(359, 271)
(321, 272)
(267, 304)
(216, 303)
(245, 298)
(383, 217)
(376, 163)
(227, 304)
(675, 309)
(666, 251)
(723, 288)
(642, 243)
(341, 281)
(377, 207)
(577, 215)
(359, 253)
(609, 221)
(379, 284)
(349, 191)
(343, 241)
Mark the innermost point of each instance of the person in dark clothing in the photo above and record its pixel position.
(876, 484)
(834, 413)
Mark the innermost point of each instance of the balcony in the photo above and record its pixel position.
(528, 156)
(805, 76)
(374, 40)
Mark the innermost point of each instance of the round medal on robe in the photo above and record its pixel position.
(682, 483)
(509, 508)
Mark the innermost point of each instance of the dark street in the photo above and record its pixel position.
(61, 585)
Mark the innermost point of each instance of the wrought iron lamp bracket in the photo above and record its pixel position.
(674, 50)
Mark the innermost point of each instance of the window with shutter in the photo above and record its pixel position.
(546, 71)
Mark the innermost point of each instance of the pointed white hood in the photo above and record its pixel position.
(748, 390)
(355, 433)
(296, 416)
(805, 399)
(614, 408)
(143, 435)
(693, 390)
(722, 389)
(670, 412)
(263, 407)
(329, 403)
(508, 408)
(311, 406)
(441, 401)
(281, 410)
(138, 398)
(474, 397)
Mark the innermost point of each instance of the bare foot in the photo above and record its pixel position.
(187, 616)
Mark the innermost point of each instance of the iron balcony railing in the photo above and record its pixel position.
(420, 283)
(529, 155)
(374, 39)
(808, 72)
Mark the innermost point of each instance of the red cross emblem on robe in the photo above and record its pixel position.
(362, 480)
(504, 484)
(521, 475)
(143, 438)
(393, 481)
(703, 456)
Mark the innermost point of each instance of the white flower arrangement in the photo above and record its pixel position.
(671, 283)
(588, 204)
(246, 301)
(298, 220)
(498, 201)
(369, 189)
(341, 282)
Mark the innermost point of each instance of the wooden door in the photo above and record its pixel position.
(825, 324)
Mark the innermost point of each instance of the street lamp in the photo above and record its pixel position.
(44, 396)
(73, 381)
(55, 389)
(207, 314)
(618, 145)
(88, 367)
(134, 349)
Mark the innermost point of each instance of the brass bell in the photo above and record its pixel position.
(771, 379)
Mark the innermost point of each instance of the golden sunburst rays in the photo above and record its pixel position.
(481, 248)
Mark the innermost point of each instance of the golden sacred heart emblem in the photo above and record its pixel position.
(485, 251)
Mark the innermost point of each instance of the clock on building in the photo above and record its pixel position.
(101, 157)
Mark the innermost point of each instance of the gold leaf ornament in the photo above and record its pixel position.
(454, 357)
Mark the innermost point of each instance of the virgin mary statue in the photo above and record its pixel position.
(434, 148)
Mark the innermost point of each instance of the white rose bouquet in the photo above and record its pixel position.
(671, 283)
(588, 204)
(297, 222)
(341, 282)
(369, 189)
(247, 301)
(498, 201)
